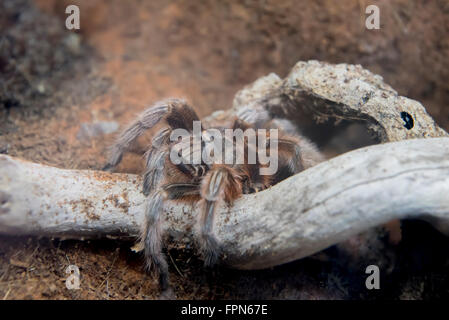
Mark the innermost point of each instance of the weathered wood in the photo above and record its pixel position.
(304, 214)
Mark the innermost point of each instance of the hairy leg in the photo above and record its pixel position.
(155, 160)
(157, 192)
(295, 154)
(177, 113)
(220, 184)
(152, 239)
(152, 232)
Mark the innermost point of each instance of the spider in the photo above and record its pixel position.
(207, 183)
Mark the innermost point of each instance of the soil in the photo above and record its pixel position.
(62, 94)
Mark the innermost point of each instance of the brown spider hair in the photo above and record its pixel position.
(208, 184)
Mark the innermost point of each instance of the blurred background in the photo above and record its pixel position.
(64, 95)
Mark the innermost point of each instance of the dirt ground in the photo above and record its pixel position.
(64, 93)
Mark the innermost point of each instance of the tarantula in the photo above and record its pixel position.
(207, 182)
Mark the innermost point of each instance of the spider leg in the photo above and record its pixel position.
(152, 233)
(152, 239)
(177, 113)
(221, 183)
(179, 190)
(295, 154)
(289, 151)
(260, 112)
(305, 153)
(154, 176)
(155, 162)
(254, 114)
(155, 159)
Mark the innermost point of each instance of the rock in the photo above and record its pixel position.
(88, 131)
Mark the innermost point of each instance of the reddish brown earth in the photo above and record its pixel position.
(130, 54)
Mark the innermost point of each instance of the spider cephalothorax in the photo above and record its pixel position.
(177, 169)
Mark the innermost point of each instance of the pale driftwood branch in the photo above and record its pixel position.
(304, 214)
(298, 217)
